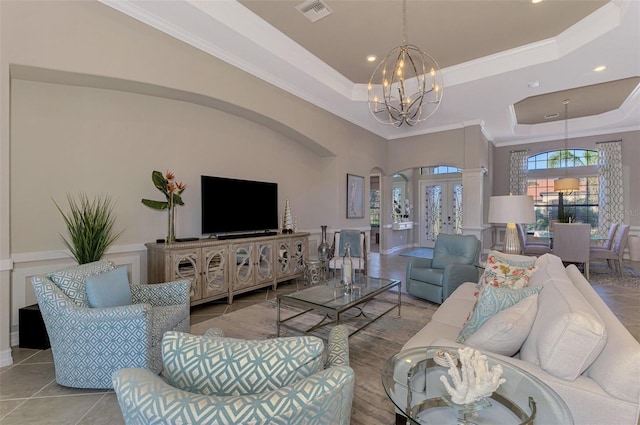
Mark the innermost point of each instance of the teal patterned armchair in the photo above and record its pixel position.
(89, 344)
(211, 379)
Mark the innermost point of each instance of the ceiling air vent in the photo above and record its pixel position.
(314, 10)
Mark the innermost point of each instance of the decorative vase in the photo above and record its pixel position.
(171, 235)
(323, 248)
(347, 270)
(323, 253)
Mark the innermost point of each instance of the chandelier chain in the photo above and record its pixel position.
(566, 136)
(405, 31)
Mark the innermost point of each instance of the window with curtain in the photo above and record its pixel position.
(583, 205)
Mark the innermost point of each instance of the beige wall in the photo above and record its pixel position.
(466, 148)
(99, 100)
(75, 139)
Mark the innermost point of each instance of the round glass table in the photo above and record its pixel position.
(411, 379)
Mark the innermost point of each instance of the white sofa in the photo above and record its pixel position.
(576, 344)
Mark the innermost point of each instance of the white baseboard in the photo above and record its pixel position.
(5, 358)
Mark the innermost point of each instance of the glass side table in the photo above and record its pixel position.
(411, 380)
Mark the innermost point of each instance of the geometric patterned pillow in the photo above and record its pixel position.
(492, 300)
(231, 367)
(70, 280)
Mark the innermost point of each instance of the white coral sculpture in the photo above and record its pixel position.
(477, 379)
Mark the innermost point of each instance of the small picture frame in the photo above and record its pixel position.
(355, 196)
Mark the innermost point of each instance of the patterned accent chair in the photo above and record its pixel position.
(211, 379)
(89, 344)
(454, 262)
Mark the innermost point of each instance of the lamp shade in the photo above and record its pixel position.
(566, 184)
(511, 209)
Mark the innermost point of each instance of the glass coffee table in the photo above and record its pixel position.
(332, 300)
(411, 379)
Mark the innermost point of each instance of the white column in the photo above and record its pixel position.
(473, 202)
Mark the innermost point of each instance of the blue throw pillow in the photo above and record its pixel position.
(491, 301)
(109, 289)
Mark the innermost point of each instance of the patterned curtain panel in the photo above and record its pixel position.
(457, 209)
(518, 172)
(611, 197)
(433, 211)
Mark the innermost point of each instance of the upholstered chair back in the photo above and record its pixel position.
(455, 249)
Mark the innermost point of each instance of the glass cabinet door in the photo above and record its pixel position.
(214, 279)
(242, 264)
(184, 265)
(284, 263)
(299, 249)
(265, 270)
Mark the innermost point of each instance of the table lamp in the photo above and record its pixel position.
(511, 209)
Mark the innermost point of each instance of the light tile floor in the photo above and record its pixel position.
(30, 395)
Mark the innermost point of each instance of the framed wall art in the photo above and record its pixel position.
(355, 196)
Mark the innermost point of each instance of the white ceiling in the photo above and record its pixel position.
(490, 51)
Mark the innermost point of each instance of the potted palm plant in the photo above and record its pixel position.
(90, 224)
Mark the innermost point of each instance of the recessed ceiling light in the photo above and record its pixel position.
(600, 68)
(536, 1)
(371, 58)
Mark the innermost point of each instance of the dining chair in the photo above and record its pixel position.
(617, 250)
(531, 247)
(571, 243)
(611, 236)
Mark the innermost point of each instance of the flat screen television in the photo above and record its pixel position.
(233, 205)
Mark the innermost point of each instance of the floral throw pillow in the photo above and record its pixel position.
(503, 272)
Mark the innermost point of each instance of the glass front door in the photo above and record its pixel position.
(440, 209)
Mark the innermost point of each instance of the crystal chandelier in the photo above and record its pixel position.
(406, 87)
(566, 184)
